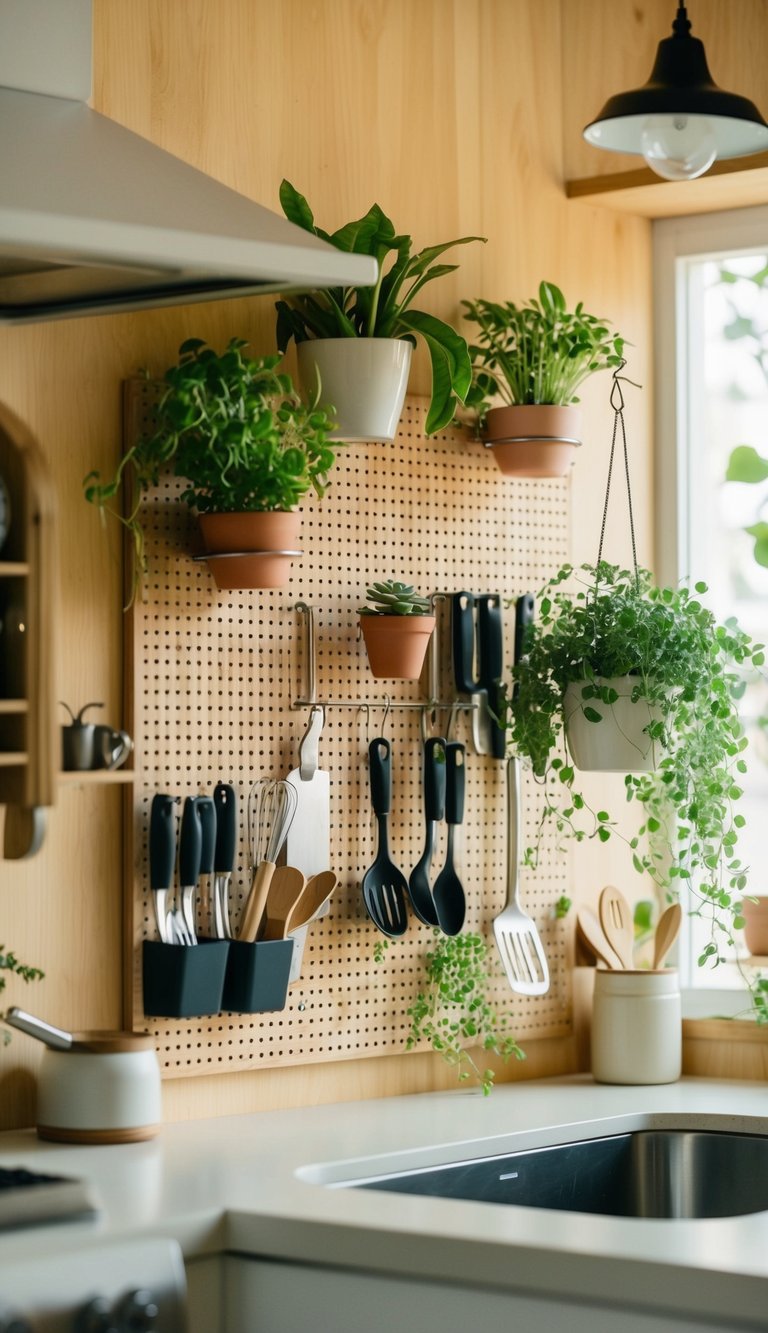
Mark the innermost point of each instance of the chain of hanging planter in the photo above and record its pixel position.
(617, 403)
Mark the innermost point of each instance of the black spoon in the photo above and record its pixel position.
(448, 893)
(384, 886)
(434, 809)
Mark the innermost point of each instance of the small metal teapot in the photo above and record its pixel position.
(86, 745)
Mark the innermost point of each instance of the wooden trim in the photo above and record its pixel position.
(724, 1029)
(12, 569)
(738, 183)
(55, 1134)
(96, 776)
(630, 180)
(14, 706)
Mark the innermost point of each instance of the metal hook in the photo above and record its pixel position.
(387, 710)
(367, 708)
(618, 379)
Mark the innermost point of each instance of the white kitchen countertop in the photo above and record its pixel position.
(250, 1184)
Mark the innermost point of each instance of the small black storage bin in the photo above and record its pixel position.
(184, 981)
(257, 976)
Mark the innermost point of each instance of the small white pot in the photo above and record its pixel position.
(618, 743)
(363, 379)
(636, 1026)
(101, 1091)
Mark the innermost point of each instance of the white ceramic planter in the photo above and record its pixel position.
(100, 1095)
(618, 743)
(636, 1027)
(364, 379)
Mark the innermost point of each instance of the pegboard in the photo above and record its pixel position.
(215, 675)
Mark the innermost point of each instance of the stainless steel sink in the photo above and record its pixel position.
(650, 1173)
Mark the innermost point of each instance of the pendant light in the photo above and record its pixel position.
(680, 121)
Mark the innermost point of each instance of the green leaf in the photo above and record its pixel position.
(592, 715)
(451, 366)
(295, 207)
(760, 533)
(746, 464)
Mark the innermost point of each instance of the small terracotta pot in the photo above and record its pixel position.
(250, 550)
(756, 926)
(533, 439)
(397, 645)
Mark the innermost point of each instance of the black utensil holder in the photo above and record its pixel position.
(257, 976)
(184, 981)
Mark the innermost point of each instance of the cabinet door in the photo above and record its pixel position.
(204, 1295)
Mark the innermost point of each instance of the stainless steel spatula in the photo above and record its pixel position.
(517, 939)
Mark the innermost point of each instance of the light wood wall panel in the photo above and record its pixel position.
(449, 113)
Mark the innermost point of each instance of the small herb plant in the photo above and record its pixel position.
(10, 963)
(385, 309)
(235, 429)
(537, 352)
(392, 598)
(692, 671)
(454, 1013)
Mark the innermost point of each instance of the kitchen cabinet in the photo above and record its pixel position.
(27, 602)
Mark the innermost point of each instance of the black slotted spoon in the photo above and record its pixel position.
(434, 809)
(384, 886)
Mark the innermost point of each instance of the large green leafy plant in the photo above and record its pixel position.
(691, 672)
(235, 429)
(537, 352)
(384, 310)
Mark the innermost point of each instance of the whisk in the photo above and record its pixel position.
(271, 808)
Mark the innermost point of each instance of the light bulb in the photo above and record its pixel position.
(678, 147)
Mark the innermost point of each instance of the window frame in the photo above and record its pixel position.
(675, 240)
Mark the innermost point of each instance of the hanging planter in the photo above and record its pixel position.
(365, 378)
(396, 628)
(354, 344)
(755, 913)
(250, 550)
(533, 439)
(609, 725)
(535, 357)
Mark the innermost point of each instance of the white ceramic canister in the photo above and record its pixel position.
(636, 1026)
(104, 1089)
(364, 379)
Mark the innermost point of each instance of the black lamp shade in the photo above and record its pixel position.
(680, 84)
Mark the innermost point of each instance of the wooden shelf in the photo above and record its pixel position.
(93, 777)
(14, 706)
(13, 759)
(731, 184)
(13, 568)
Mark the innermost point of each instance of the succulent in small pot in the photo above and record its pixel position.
(684, 673)
(397, 625)
(249, 449)
(357, 342)
(534, 357)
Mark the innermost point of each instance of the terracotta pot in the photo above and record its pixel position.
(756, 926)
(397, 645)
(619, 742)
(363, 379)
(250, 550)
(533, 439)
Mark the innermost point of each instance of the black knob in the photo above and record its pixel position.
(137, 1312)
(96, 1317)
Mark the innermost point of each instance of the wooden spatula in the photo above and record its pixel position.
(617, 923)
(317, 891)
(285, 890)
(666, 933)
(594, 938)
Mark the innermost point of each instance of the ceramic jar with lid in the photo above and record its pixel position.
(636, 1026)
(104, 1089)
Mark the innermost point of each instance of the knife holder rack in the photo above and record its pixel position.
(184, 981)
(257, 976)
(213, 684)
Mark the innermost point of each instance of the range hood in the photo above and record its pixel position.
(94, 218)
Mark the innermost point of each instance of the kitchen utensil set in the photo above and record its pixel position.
(206, 847)
(611, 938)
(271, 808)
(384, 887)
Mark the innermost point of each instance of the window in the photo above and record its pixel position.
(711, 310)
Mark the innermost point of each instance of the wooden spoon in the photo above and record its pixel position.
(616, 920)
(317, 891)
(286, 888)
(666, 933)
(593, 936)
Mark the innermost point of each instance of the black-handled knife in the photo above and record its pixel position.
(162, 857)
(225, 803)
(206, 811)
(190, 855)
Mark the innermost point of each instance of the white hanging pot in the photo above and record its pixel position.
(363, 379)
(619, 742)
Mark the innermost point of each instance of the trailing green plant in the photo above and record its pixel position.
(537, 352)
(562, 907)
(10, 963)
(454, 1012)
(392, 598)
(383, 310)
(691, 671)
(234, 428)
